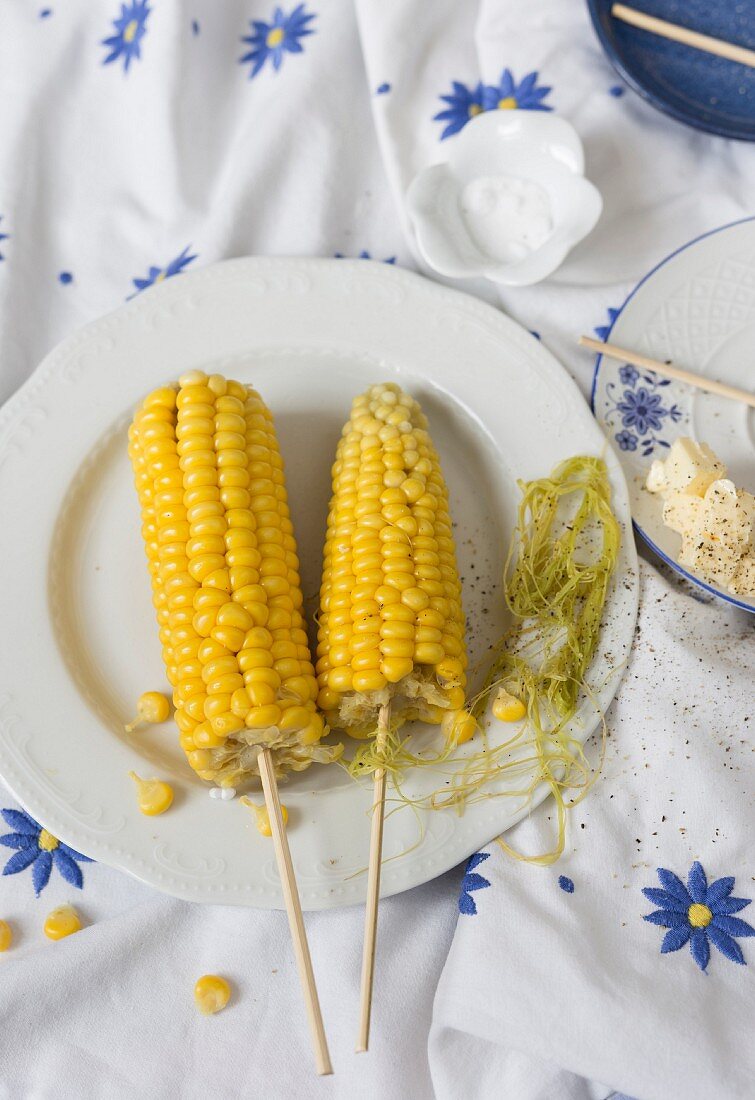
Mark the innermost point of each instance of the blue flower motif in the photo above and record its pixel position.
(3, 237)
(37, 848)
(157, 274)
(642, 410)
(603, 331)
(566, 884)
(628, 375)
(627, 441)
(364, 255)
(472, 881)
(508, 95)
(130, 28)
(272, 40)
(698, 914)
(463, 103)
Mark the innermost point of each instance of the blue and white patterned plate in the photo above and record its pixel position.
(707, 92)
(697, 308)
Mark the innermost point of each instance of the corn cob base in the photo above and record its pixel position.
(225, 579)
(391, 626)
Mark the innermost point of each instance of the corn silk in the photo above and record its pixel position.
(558, 569)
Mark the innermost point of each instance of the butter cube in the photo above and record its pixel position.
(743, 581)
(656, 479)
(714, 562)
(691, 467)
(681, 512)
(728, 515)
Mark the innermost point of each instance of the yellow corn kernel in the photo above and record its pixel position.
(211, 994)
(458, 726)
(61, 922)
(6, 935)
(262, 818)
(153, 795)
(152, 708)
(507, 707)
(264, 717)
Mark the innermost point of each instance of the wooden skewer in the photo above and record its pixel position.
(673, 31)
(668, 371)
(373, 888)
(293, 909)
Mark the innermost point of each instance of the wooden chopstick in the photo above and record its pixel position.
(673, 31)
(293, 909)
(373, 889)
(668, 371)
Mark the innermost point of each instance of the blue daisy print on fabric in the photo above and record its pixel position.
(365, 255)
(157, 274)
(271, 40)
(3, 237)
(472, 881)
(507, 95)
(698, 914)
(603, 331)
(40, 850)
(463, 103)
(130, 29)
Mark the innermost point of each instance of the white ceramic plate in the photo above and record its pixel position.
(79, 642)
(697, 308)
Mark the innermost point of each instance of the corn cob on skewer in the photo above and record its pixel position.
(226, 589)
(391, 627)
(225, 580)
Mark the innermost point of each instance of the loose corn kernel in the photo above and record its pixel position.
(458, 726)
(262, 818)
(62, 922)
(211, 994)
(152, 708)
(153, 795)
(6, 935)
(507, 707)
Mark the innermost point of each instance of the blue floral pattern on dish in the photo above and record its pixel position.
(157, 274)
(40, 850)
(698, 914)
(283, 34)
(472, 881)
(463, 102)
(637, 409)
(3, 237)
(130, 29)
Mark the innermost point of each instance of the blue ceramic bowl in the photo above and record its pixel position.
(697, 88)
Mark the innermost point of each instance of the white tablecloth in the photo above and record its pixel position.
(135, 143)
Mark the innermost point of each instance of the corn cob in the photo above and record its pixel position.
(391, 627)
(225, 578)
